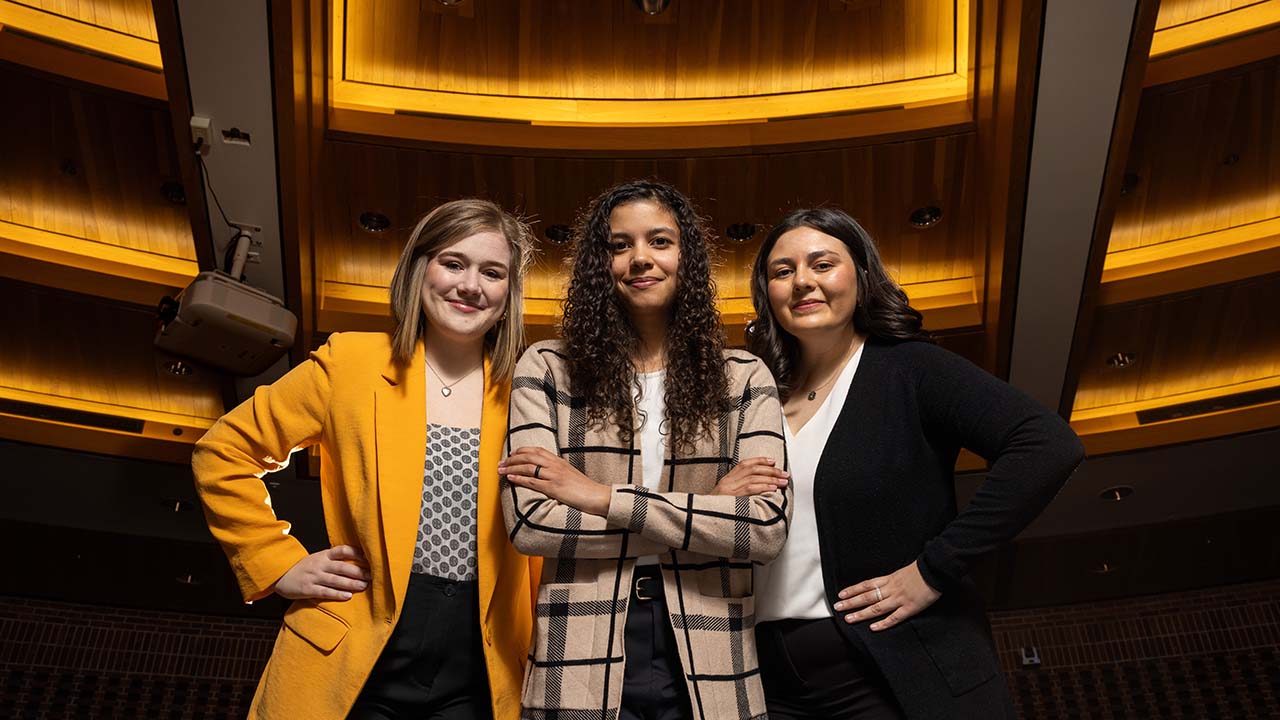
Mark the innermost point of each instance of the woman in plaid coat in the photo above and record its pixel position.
(647, 464)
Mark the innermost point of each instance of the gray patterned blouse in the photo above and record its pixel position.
(446, 544)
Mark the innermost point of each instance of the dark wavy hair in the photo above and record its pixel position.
(883, 310)
(600, 339)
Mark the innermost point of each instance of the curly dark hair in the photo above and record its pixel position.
(883, 310)
(600, 339)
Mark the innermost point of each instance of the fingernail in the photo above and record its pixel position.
(848, 619)
(839, 606)
(346, 595)
(843, 594)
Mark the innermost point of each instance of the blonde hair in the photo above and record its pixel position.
(437, 230)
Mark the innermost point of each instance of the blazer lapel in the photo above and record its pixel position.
(400, 426)
(491, 530)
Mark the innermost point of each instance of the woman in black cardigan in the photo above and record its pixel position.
(894, 628)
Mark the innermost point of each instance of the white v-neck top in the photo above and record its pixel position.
(651, 402)
(791, 585)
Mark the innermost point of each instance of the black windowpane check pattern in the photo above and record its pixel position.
(708, 545)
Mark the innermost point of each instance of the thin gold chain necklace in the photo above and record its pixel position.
(446, 389)
(839, 368)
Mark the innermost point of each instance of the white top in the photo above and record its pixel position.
(791, 585)
(653, 437)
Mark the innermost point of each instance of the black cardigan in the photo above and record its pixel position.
(884, 495)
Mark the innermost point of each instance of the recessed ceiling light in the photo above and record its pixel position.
(927, 216)
(374, 222)
(69, 167)
(174, 192)
(741, 232)
(1129, 183)
(178, 368)
(1115, 494)
(652, 7)
(558, 234)
(189, 580)
(1103, 568)
(1121, 360)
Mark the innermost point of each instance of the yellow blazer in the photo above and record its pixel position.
(368, 416)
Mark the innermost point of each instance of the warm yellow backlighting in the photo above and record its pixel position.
(348, 95)
(80, 34)
(99, 257)
(1215, 28)
(1199, 261)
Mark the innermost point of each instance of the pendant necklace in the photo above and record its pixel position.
(446, 389)
(814, 392)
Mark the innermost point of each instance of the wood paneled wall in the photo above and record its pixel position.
(610, 49)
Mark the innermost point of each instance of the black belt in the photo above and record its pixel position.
(646, 584)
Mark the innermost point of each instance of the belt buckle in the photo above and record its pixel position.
(637, 586)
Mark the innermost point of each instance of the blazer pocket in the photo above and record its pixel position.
(564, 661)
(958, 646)
(316, 625)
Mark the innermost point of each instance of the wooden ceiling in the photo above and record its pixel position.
(702, 74)
(1191, 280)
(752, 108)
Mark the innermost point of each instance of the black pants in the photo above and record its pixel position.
(653, 684)
(433, 665)
(810, 670)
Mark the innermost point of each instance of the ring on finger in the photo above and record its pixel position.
(879, 595)
(536, 469)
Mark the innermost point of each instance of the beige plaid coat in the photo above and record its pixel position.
(706, 543)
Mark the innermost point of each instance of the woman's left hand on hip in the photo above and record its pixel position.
(899, 595)
(548, 473)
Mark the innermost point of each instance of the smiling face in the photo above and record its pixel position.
(644, 238)
(465, 289)
(813, 282)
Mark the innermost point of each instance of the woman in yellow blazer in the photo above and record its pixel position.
(420, 607)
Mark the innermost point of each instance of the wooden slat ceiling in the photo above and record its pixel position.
(68, 355)
(693, 50)
(449, 74)
(81, 199)
(88, 244)
(1191, 280)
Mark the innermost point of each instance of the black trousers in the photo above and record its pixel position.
(433, 665)
(810, 670)
(653, 684)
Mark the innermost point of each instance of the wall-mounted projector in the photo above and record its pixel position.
(222, 322)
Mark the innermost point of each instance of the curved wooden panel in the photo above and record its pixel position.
(493, 73)
(1186, 24)
(611, 50)
(1181, 12)
(879, 184)
(1204, 203)
(123, 29)
(1195, 350)
(80, 189)
(80, 355)
(1211, 342)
